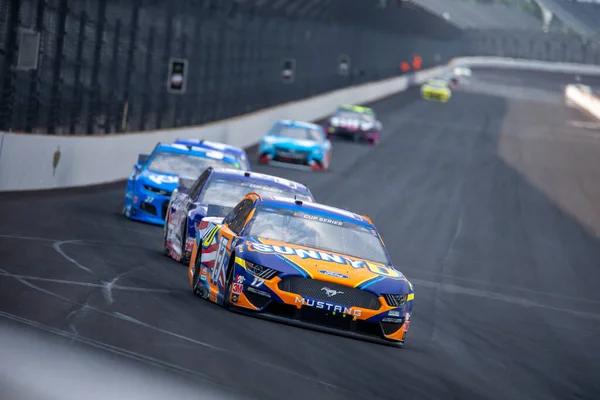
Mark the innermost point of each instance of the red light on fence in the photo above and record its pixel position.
(404, 66)
(417, 61)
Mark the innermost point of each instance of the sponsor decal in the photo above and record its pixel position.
(394, 313)
(335, 274)
(189, 244)
(257, 282)
(149, 199)
(331, 292)
(239, 249)
(240, 278)
(324, 305)
(321, 219)
(237, 288)
(162, 179)
(218, 275)
(235, 298)
(378, 269)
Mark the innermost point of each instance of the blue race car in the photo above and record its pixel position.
(295, 143)
(237, 152)
(214, 194)
(155, 176)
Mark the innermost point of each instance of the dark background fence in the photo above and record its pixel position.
(103, 65)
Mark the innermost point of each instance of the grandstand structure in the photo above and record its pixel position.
(573, 16)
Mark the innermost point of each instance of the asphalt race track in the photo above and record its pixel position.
(490, 204)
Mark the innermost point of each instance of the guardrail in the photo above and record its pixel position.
(34, 162)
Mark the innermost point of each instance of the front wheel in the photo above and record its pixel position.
(229, 284)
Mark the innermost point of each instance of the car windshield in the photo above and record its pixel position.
(296, 132)
(318, 232)
(346, 114)
(185, 165)
(228, 192)
(436, 84)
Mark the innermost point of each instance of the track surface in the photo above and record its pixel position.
(490, 204)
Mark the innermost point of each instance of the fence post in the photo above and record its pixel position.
(148, 78)
(33, 108)
(95, 87)
(77, 92)
(55, 96)
(114, 73)
(129, 64)
(162, 104)
(7, 89)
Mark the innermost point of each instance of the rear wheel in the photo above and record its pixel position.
(184, 260)
(197, 288)
(229, 283)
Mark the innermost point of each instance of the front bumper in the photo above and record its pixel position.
(147, 207)
(435, 96)
(371, 135)
(300, 160)
(266, 299)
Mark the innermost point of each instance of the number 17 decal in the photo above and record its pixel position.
(221, 262)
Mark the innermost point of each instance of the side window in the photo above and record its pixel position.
(197, 188)
(232, 214)
(237, 222)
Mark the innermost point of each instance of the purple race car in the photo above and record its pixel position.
(356, 122)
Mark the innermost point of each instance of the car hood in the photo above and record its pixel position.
(291, 143)
(166, 182)
(323, 265)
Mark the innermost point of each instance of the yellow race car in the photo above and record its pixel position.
(436, 90)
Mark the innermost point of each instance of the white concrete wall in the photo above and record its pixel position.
(26, 160)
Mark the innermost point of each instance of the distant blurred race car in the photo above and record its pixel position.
(215, 193)
(155, 176)
(437, 90)
(355, 122)
(462, 72)
(237, 152)
(295, 144)
(303, 263)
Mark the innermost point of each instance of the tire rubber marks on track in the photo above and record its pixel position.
(57, 247)
(87, 284)
(520, 301)
(128, 319)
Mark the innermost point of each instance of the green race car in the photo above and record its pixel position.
(436, 90)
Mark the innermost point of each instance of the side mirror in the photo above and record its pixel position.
(143, 159)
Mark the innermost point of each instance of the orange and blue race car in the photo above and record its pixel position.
(302, 263)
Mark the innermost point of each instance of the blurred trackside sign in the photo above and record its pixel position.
(344, 65)
(288, 70)
(417, 62)
(404, 66)
(177, 78)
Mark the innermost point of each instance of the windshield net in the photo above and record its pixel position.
(296, 132)
(310, 230)
(227, 193)
(185, 165)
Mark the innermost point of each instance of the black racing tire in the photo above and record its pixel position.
(229, 282)
(184, 259)
(165, 248)
(196, 276)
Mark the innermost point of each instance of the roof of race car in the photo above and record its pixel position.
(359, 109)
(196, 151)
(209, 144)
(317, 209)
(299, 124)
(259, 178)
